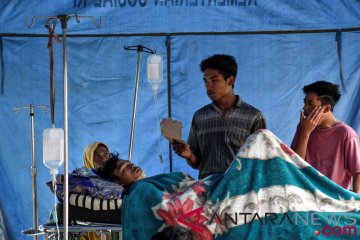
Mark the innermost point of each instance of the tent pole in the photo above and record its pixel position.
(168, 55)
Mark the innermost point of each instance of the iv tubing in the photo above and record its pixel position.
(55, 214)
(158, 131)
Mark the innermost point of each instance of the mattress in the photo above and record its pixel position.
(90, 209)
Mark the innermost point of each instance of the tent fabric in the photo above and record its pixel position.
(280, 46)
(162, 16)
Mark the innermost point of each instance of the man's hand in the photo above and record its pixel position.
(309, 123)
(181, 148)
(306, 126)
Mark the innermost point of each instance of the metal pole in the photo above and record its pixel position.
(33, 170)
(66, 173)
(33, 231)
(168, 55)
(139, 50)
(64, 20)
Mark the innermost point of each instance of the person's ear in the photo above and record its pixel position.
(230, 80)
(326, 108)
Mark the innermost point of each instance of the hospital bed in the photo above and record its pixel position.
(86, 214)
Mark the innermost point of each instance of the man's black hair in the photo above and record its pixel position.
(327, 92)
(106, 171)
(174, 233)
(225, 64)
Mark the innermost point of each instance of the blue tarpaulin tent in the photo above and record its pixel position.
(280, 46)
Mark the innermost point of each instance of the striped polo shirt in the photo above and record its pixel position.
(215, 138)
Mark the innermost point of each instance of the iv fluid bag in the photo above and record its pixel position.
(155, 69)
(53, 147)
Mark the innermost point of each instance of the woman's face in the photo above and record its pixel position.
(101, 154)
(127, 173)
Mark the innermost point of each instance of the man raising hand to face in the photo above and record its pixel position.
(329, 145)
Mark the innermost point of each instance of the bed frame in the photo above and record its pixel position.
(83, 221)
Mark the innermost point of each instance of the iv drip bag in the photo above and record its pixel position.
(53, 148)
(155, 71)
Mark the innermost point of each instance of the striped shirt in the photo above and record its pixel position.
(215, 138)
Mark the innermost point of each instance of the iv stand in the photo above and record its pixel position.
(33, 231)
(64, 19)
(139, 49)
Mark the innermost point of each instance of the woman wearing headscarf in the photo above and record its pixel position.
(95, 153)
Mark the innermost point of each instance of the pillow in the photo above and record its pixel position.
(85, 181)
(92, 203)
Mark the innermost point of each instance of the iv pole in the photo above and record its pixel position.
(33, 231)
(139, 49)
(64, 19)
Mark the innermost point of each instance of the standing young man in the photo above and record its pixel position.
(220, 128)
(330, 146)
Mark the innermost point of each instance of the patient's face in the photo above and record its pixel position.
(127, 173)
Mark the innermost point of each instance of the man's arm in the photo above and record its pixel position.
(306, 126)
(300, 143)
(356, 182)
(259, 123)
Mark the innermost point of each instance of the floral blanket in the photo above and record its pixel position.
(85, 181)
(268, 192)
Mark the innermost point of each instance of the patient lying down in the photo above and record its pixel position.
(120, 171)
(110, 181)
